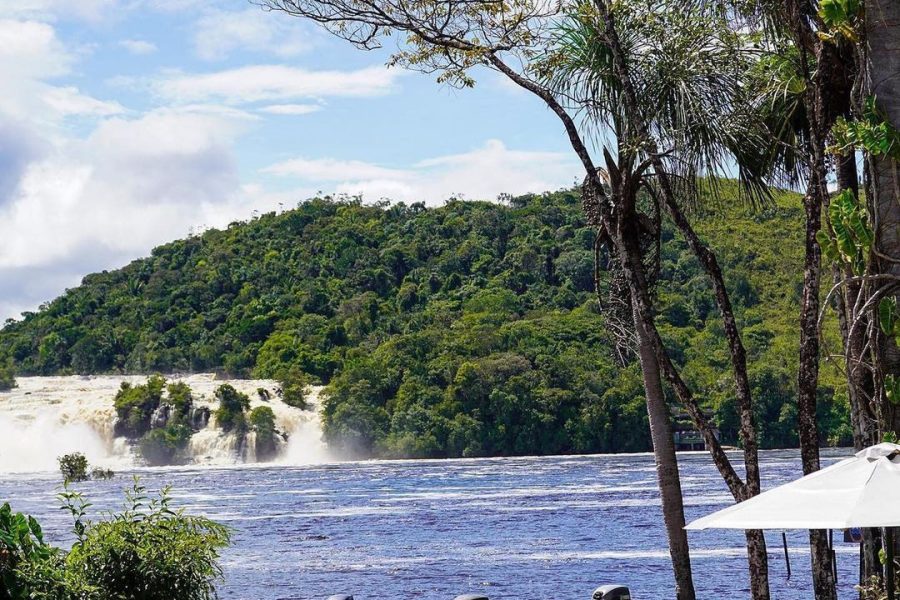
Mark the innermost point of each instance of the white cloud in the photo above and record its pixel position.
(101, 202)
(481, 174)
(108, 195)
(19, 146)
(275, 82)
(67, 101)
(219, 33)
(291, 109)
(30, 50)
(139, 47)
(328, 169)
(30, 55)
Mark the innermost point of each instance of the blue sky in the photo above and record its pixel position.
(128, 123)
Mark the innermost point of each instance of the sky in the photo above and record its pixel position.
(125, 124)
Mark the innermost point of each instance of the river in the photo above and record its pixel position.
(525, 528)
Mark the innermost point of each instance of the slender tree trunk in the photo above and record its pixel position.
(757, 555)
(883, 54)
(808, 379)
(808, 373)
(660, 422)
(799, 15)
(658, 413)
(756, 544)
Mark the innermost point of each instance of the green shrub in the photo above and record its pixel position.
(166, 445)
(147, 552)
(180, 397)
(22, 546)
(135, 405)
(150, 554)
(262, 419)
(232, 405)
(7, 377)
(74, 467)
(293, 389)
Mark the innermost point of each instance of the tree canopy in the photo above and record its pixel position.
(468, 329)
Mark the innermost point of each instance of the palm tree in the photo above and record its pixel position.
(648, 157)
(669, 79)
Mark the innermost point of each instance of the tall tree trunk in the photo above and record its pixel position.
(808, 378)
(756, 544)
(882, 50)
(658, 412)
(757, 555)
(808, 373)
(595, 203)
(883, 54)
(811, 46)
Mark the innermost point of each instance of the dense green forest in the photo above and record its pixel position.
(464, 330)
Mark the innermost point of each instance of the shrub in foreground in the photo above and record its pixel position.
(24, 556)
(147, 552)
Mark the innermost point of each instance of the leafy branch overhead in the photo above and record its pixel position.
(872, 133)
(842, 17)
(852, 235)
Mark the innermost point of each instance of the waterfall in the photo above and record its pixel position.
(46, 417)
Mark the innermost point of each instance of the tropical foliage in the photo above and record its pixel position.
(7, 377)
(147, 552)
(468, 329)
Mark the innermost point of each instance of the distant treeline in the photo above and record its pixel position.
(466, 330)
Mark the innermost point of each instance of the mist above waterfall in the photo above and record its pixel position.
(46, 417)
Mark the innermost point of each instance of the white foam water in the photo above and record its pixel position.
(46, 417)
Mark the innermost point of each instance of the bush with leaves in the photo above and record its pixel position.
(25, 559)
(135, 405)
(232, 406)
(74, 467)
(180, 397)
(147, 552)
(262, 420)
(293, 388)
(165, 445)
(7, 376)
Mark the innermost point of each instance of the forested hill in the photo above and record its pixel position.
(469, 329)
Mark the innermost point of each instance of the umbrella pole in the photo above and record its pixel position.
(787, 557)
(889, 555)
(832, 554)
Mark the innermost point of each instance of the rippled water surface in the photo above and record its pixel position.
(532, 528)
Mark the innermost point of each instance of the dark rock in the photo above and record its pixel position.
(160, 417)
(199, 417)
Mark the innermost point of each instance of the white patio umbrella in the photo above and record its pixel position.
(857, 492)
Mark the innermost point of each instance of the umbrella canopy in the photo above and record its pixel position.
(856, 492)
